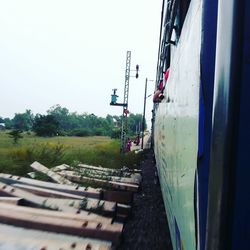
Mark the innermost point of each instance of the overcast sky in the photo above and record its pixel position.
(73, 53)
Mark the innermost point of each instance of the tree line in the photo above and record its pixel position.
(59, 121)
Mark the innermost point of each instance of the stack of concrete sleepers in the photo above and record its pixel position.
(65, 213)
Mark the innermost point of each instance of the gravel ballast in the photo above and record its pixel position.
(147, 226)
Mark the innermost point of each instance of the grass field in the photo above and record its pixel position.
(98, 150)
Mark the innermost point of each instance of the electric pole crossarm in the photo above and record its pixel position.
(119, 104)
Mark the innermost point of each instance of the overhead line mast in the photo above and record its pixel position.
(124, 120)
(124, 129)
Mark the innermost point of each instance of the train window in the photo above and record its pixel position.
(175, 14)
(180, 17)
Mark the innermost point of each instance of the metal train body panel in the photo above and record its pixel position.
(201, 129)
(176, 139)
(228, 220)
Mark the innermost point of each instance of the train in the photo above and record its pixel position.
(201, 123)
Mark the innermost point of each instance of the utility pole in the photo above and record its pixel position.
(144, 110)
(143, 117)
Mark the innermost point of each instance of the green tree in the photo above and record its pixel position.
(8, 123)
(23, 121)
(46, 125)
(61, 115)
(135, 123)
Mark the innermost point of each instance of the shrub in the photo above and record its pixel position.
(99, 131)
(16, 135)
(115, 134)
(81, 132)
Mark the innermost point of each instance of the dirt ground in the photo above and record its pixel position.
(146, 228)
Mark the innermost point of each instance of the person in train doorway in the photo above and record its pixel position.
(158, 94)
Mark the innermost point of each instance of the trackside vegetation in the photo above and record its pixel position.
(15, 158)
